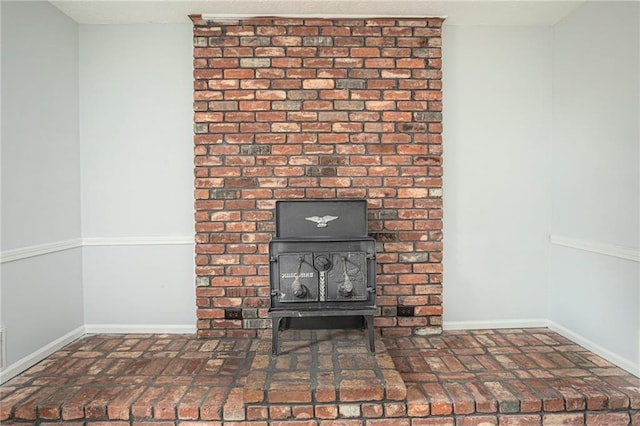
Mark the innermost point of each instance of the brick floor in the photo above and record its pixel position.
(322, 367)
(507, 377)
(513, 376)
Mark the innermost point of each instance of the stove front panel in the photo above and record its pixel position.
(317, 274)
(348, 277)
(311, 219)
(297, 277)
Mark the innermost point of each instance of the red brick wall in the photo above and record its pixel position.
(315, 108)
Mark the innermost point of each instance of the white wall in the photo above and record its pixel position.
(41, 295)
(595, 180)
(41, 302)
(137, 173)
(39, 125)
(497, 92)
(132, 287)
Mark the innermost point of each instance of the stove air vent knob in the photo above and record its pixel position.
(346, 289)
(299, 290)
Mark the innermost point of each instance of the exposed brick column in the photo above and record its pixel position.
(315, 108)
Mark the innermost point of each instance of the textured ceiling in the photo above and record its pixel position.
(475, 12)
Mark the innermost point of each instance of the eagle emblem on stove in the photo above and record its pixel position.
(321, 221)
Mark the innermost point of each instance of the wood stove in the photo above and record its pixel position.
(322, 263)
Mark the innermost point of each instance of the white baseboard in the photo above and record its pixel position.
(625, 364)
(139, 329)
(37, 356)
(616, 359)
(484, 325)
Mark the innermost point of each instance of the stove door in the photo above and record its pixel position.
(297, 280)
(347, 279)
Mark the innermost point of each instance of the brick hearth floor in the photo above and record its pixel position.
(507, 377)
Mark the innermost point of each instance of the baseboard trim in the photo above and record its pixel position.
(619, 361)
(578, 339)
(32, 359)
(498, 324)
(56, 246)
(627, 253)
(37, 356)
(38, 250)
(139, 329)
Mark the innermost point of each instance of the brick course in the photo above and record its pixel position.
(316, 108)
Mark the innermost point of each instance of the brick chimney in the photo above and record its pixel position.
(317, 109)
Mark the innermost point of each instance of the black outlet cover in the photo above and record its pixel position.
(233, 313)
(406, 311)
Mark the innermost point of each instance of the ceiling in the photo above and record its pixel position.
(457, 12)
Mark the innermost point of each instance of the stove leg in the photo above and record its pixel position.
(275, 328)
(372, 345)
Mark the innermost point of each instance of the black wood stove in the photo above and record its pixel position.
(322, 263)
